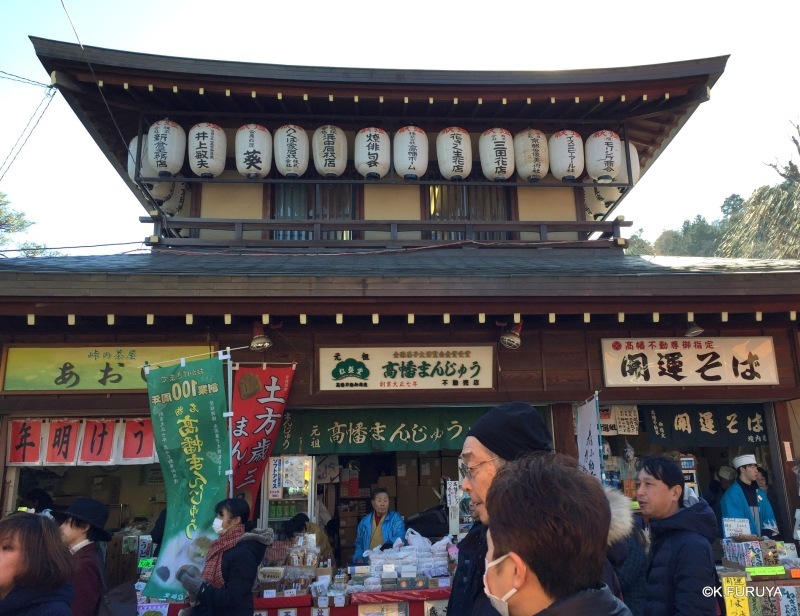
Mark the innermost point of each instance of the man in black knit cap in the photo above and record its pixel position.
(507, 432)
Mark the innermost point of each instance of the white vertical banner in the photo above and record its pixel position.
(589, 436)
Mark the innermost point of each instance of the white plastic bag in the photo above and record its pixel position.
(415, 539)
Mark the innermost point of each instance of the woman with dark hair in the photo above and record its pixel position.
(82, 526)
(35, 567)
(226, 585)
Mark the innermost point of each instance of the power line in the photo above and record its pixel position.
(49, 94)
(12, 77)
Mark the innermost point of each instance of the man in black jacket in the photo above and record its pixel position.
(507, 432)
(681, 567)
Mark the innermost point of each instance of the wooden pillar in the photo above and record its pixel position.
(784, 429)
(564, 440)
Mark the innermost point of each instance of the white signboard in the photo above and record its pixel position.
(686, 362)
(398, 368)
(589, 437)
(735, 527)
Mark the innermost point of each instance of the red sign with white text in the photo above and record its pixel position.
(259, 399)
(137, 443)
(62, 442)
(24, 441)
(97, 446)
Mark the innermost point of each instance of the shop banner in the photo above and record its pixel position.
(705, 425)
(62, 442)
(97, 441)
(259, 399)
(686, 362)
(588, 420)
(187, 403)
(137, 443)
(24, 442)
(59, 369)
(405, 367)
(316, 432)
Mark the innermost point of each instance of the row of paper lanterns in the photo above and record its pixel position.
(530, 153)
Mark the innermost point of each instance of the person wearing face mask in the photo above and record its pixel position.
(546, 545)
(226, 585)
(506, 432)
(380, 527)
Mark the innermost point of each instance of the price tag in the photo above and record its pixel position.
(146, 563)
(776, 570)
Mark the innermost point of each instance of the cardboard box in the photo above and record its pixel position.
(407, 471)
(351, 532)
(347, 522)
(427, 498)
(389, 482)
(407, 500)
(105, 489)
(347, 542)
(450, 468)
(430, 471)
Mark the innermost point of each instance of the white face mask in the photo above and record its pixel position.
(498, 603)
(216, 525)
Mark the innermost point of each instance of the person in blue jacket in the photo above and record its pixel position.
(681, 566)
(379, 527)
(744, 499)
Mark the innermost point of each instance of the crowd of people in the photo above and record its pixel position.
(548, 539)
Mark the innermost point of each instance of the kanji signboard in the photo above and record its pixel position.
(62, 369)
(686, 362)
(406, 368)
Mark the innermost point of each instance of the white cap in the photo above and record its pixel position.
(726, 472)
(743, 460)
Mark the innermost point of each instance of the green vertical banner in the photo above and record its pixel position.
(188, 404)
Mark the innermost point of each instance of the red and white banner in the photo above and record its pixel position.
(138, 446)
(259, 400)
(97, 442)
(24, 442)
(62, 442)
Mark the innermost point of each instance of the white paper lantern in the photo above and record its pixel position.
(496, 150)
(611, 194)
(166, 147)
(603, 153)
(372, 152)
(291, 150)
(454, 153)
(565, 149)
(177, 200)
(158, 190)
(410, 152)
(329, 146)
(530, 155)
(253, 145)
(593, 203)
(208, 147)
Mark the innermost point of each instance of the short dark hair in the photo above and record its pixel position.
(92, 534)
(377, 491)
(236, 507)
(555, 517)
(666, 470)
(763, 471)
(46, 562)
(295, 524)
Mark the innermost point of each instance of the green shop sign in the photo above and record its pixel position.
(314, 432)
(61, 369)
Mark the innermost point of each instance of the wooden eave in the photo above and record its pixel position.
(647, 104)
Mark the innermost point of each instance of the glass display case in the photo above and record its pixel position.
(288, 489)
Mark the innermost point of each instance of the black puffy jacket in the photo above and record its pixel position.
(681, 563)
(466, 596)
(239, 570)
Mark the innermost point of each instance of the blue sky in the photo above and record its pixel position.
(61, 181)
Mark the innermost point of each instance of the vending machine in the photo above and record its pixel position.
(289, 488)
